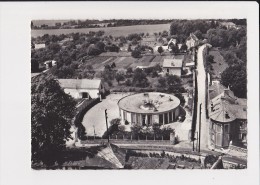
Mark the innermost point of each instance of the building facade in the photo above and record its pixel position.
(146, 109)
(192, 41)
(172, 66)
(228, 120)
(83, 88)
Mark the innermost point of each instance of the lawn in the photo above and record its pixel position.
(219, 64)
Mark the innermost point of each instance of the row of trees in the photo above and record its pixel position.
(137, 131)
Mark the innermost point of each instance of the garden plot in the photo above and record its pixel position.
(157, 60)
(124, 62)
(144, 61)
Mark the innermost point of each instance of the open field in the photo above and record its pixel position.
(114, 31)
(219, 64)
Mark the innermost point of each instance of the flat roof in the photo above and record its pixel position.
(162, 101)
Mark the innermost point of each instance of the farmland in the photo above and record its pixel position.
(114, 31)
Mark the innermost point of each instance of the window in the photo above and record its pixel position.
(226, 129)
(125, 114)
(166, 118)
(133, 117)
(168, 70)
(160, 118)
(84, 95)
(143, 120)
(138, 118)
(170, 116)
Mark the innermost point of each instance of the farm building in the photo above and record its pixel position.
(82, 88)
(148, 108)
(228, 118)
(172, 66)
(192, 41)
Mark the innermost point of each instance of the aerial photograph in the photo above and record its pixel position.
(138, 94)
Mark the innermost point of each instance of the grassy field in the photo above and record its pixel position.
(114, 31)
(219, 64)
(98, 62)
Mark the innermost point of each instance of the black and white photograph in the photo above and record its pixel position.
(112, 87)
(139, 94)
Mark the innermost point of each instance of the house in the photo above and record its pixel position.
(39, 46)
(50, 63)
(172, 66)
(83, 88)
(228, 119)
(192, 41)
(228, 25)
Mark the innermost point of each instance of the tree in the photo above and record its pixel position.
(52, 111)
(210, 58)
(236, 78)
(34, 65)
(93, 51)
(54, 47)
(139, 78)
(162, 82)
(100, 45)
(136, 53)
(184, 47)
(160, 50)
(175, 48)
(120, 77)
(116, 121)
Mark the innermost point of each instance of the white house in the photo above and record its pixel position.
(49, 63)
(172, 66)
(192, 41)
(39, 46)
(82, 88)
(228, 25)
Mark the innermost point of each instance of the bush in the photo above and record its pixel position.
(136, 54)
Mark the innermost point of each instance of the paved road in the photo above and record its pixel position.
(201, 76)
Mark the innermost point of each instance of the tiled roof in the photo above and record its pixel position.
(227, 107)
(173, 63)
(80, 83)
(215, 89)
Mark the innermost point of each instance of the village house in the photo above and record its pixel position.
(228, 117)
(50, 63)
(228, 25)
(172, 66)
(83, 88)
(39, 46)
(192, 41)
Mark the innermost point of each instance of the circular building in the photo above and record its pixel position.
(148, 108)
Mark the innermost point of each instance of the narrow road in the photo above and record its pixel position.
(201, 76)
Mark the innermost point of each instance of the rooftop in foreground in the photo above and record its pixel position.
(152, 102)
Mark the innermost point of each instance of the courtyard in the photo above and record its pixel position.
(94, 120)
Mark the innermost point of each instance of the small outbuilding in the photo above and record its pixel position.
(172, 66)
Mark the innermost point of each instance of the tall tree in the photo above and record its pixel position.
(52, 111)
(160, 50)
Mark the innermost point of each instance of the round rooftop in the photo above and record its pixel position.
(149, 102)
